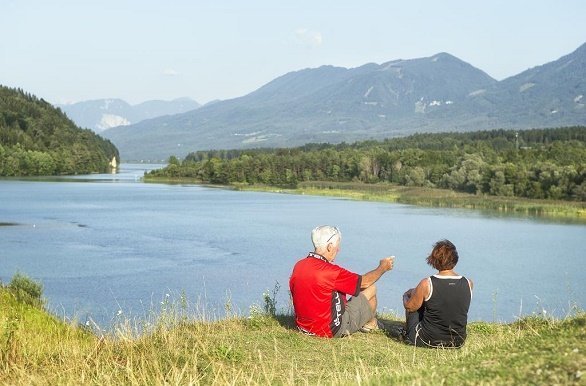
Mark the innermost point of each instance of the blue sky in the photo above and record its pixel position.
(68, 51)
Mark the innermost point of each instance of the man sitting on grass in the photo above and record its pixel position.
(319, 288)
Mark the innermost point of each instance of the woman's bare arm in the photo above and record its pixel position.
(413, 298)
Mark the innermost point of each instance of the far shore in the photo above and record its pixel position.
(573, 211)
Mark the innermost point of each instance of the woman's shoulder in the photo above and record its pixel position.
(425, 282)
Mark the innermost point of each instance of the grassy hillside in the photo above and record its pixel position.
(36, 348)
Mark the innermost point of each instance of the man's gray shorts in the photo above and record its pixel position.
(355, 316)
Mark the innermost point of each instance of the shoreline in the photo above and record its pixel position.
(573, 211)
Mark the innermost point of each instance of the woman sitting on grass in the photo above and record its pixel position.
(437, 309)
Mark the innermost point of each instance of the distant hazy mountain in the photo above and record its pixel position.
(544, 96)
(102, 114)
(400, 97)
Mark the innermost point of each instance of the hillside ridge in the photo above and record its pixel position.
(372, 101)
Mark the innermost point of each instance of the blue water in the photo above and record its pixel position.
(105, 245)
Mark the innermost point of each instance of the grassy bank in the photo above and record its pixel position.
(431, 197)
(574, 211)
(37, 348)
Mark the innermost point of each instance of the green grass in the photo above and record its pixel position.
(574, 211)
(176, 348)
(432, 197)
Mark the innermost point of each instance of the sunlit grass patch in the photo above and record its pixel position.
(180, 344)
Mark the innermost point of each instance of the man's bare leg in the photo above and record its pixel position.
(370, 294)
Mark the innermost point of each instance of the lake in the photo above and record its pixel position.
(110, 246)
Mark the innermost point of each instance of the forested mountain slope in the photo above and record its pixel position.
(38, 139)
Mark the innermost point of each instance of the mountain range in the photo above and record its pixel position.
(373, 101)
(101, 114)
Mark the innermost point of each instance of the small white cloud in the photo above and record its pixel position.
(170, 72)
(308, 37)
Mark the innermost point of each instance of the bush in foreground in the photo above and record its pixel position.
(27, 290)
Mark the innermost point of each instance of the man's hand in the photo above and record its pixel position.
(387, 263)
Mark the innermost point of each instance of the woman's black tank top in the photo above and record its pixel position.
(446, 311)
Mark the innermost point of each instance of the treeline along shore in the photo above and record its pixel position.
(538, 171)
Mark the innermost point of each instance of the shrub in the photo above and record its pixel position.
(26, 290)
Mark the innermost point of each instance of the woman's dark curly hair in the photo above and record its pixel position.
(443, 256)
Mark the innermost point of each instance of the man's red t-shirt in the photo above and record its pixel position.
(319, 290)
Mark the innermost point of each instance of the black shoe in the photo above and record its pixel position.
(399, 333)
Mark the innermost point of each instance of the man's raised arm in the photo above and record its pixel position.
(385, 264)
